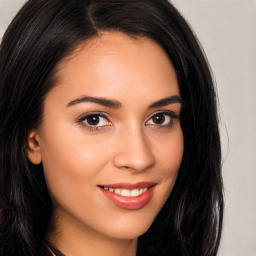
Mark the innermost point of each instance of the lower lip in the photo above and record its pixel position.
(129, 202)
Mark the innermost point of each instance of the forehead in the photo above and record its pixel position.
(117, 64)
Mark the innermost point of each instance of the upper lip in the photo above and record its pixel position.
(127, 185)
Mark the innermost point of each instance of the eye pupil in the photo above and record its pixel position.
(93, 120)
(159, 119)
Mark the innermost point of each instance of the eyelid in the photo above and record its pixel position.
(80, 120)
(169, 113)
(84, 115)
(165, 112)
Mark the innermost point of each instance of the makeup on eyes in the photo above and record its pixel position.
(161, 117)
(98, 120)
(94, 120)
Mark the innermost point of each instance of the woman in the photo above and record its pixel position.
(109, 132)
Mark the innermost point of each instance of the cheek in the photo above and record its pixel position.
(169, 153)
(169, 156)
(69, 161)
(72, 168)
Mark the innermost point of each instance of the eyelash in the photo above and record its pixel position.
(168, 114)
(83, 120)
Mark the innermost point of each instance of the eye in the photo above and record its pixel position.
(162, 119)
(94, 121)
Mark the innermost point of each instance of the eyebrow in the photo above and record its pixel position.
(101, 101)
(166, 101)
(116, 104)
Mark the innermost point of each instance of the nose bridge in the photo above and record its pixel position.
(134, 151)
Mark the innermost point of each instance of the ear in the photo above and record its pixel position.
(33, 150)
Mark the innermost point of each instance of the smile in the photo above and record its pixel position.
(127, 192)
(129, 196)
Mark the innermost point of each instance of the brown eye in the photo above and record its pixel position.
(159, 118)
(162, 120)
(93, 120)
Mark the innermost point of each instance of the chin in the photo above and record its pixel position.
(130, 228)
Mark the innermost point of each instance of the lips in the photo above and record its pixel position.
(129, 196)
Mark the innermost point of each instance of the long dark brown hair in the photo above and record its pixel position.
(42, 34)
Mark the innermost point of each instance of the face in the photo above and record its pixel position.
(110, 140)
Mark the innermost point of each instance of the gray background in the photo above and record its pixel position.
(227, 31)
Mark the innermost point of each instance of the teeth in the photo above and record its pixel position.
(127, 192)
(117, 191)
(135, 192)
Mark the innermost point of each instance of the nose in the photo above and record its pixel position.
(133, 151)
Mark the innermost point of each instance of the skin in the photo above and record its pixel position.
(128, 145)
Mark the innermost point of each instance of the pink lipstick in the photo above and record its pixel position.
(130, 196)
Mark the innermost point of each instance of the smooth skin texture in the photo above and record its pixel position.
(129, 139)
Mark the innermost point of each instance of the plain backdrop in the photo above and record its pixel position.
(227, 31)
